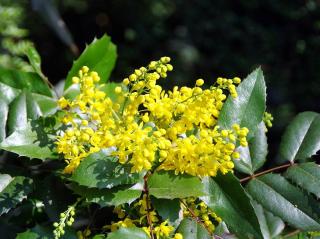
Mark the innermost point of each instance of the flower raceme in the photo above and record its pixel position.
(148, 127)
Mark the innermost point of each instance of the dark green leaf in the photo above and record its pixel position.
(255, 155)
(167, 209)
(248, 108)
(99, 56)
(12, 191)
(227, 198)
(40, 232)
(270, 225)
(24, 80)
(286, 201)
(306, 176)
(190, 229)
(110, 197)
(103, 171)
(126, 233)
(301, 139)
(32, 141)
(165, 184)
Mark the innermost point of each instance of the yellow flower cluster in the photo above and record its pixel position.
(171, 130)
(161, 230)
(201, 210)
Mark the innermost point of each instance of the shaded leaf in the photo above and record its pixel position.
(167, 209)
(286, 201)
(228, 200)
(270, 225)
(12, 191)
(165, 184)
(301, 139)
(306, 176)
(24, 80)
(110, 197)
(248, 108)
(126, 233)
(32, 141)
(103, 171)
(99, 56)
(40, 232)
(254, 156)
(190, 229)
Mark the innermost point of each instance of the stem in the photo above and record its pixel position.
(146, 191)
(195, 217)
(243, 180)
(291, 233)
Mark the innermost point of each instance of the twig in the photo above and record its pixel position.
(146, 191)
(243, 180)
(291, 233)
(195, 217)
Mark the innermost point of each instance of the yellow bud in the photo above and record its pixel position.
(169, 67)
(85, 69)
(199, 82)
(236, 80)
(118, 89)
(132, 77)
(75, 80)
(126, 81)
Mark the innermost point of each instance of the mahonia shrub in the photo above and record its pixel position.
(137, 160)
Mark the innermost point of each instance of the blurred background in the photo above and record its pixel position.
(204, 38)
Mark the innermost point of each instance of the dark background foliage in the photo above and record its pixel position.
(204, 38)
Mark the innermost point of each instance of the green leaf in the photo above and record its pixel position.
(190, 229)
(103, 171)
(32, 141)
(228, 200)
(165, 184)
(40, 232)
(110, 197)
(12, 191)
(286, 201)
(306, 176)
(126, 233)
(24, 80)
(254, 156)
(248, 108)
(34, 59)
(270, 225)
(301, 139)
(99, 56)
(167, 209)
(17, 105)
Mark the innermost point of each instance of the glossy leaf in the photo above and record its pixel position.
(270, 225)
(227, 198)
(103, 171)
(12, 191)
(110, 197)
(254, 156)
(126, 233)
(248, 108)
(190, 229)
(34, 59)
(306, 176)
(99, 56)
(167, 209)
(165, 184)
(40, 232)
(301, 139)
(24, 80)
(32, 141)
(286, 201)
